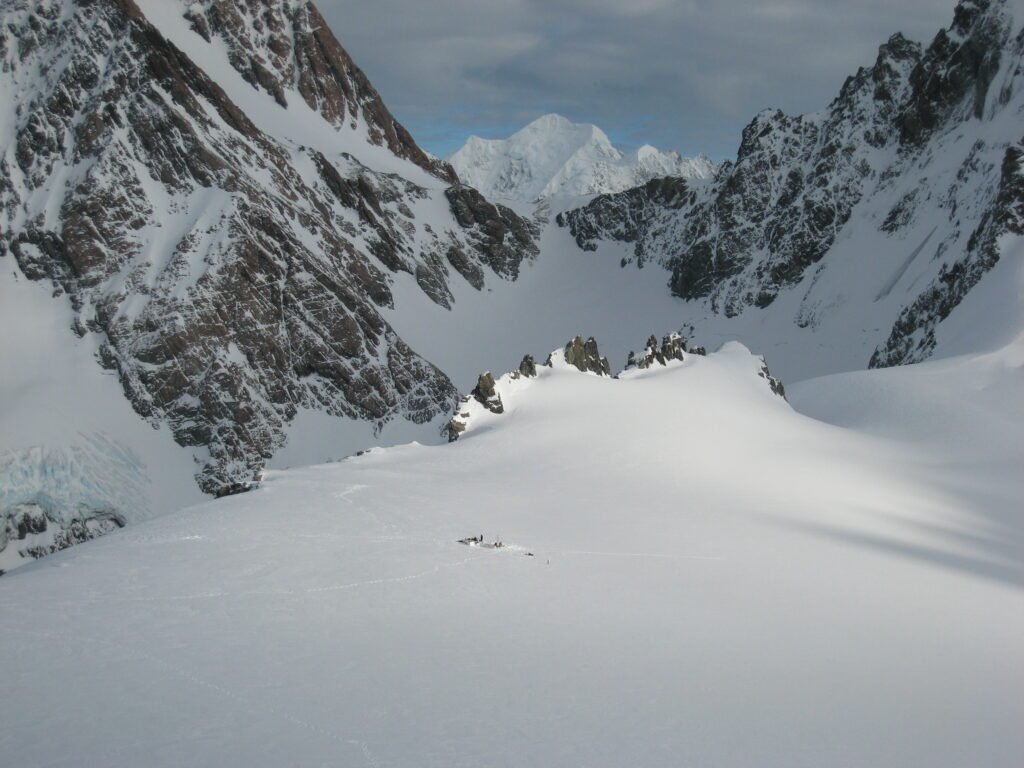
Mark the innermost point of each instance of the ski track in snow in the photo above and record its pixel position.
(219, 595)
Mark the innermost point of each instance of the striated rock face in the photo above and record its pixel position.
(891, 159)
(286, 49)
(234, 274)
(500, 238)
(673, 347)
(585, 356)
(627, 216)
(913, 335)
(777, 208)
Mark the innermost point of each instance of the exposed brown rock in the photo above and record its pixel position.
(585, 356)
(269, 302)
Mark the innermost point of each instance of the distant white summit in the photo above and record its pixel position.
(554, 157)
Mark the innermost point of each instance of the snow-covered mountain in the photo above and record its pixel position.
(220, 253)
(553, 157)
(693, 573)
(856, 231)
(225, 203)
(226, 254)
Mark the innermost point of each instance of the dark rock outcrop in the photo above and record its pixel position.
(630, 214)
(500, 237)
(33, 533)
(673, 347)
(586, 357)
(485, 394)
(454, 428)
(774, 384)
(583, 355)
(527, 368)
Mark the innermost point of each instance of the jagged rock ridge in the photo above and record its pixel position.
(485, 401)
(923, 145)
(673, 347)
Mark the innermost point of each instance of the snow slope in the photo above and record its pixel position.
(553, 157)
(69, 440)
(564, 292)
(716, 579)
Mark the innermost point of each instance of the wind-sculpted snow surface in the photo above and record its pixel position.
(225, 200)
(716, 580)
(555, 158)
(880, 213)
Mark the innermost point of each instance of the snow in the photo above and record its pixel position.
(844, 307)
(567, 291)
(718, 577)
(553, 157)
(717, 580)
(563, 293)
(991, 317)
(68, 436)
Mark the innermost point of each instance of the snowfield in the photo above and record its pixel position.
(715, 579)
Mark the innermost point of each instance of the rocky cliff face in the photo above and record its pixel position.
(287, 49)
(924, 144)
(226, 201)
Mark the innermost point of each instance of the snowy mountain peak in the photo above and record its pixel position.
(647, 152)
(551, 121)
(228, 216)
(553, 157)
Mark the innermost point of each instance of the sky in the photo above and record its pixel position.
(678, 74)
